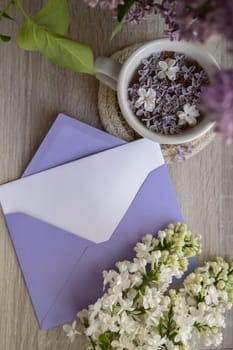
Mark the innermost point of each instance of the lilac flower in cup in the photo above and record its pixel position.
(168, 69)
(146, 98)
(155, 99)
(188, 115)
(217, 103)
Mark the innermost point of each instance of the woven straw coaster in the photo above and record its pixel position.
(115, 124)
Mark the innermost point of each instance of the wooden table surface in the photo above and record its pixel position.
(32, 93)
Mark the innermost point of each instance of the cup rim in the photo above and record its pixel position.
(192, 133)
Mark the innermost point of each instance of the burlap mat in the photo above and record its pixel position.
(115, 124)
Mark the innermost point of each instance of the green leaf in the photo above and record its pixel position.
(123, 9)
(26, 38)
(106, 339)
(5, 38)
(62, 51)
(54, 16)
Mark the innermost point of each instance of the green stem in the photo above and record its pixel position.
(217, 276)
(8, 5)
(21, 9)
(92, 343)
(170, 314)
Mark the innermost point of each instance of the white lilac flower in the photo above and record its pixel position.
(161, 236)
(136, 279)
(95, 308)
(211, 338)
(183, 319)
(168, 69)
(94, 328)
(139, 264)
(122, 265)
(165, 278)
(124, 342)
(108, 301)
(122, 282)
(109, 277)
(212, 296)
(139, 316)
(185, 329)
(71, 330)
(151, 298)
(155, 342)
(153, 257)
(127, 324)
(126, 304)
(146, 98)
(141, 250)
(147, 240)
(109, 323)
(189, 115)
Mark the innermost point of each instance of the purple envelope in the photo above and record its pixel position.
(63, 272)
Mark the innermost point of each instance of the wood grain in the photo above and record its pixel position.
(32, 93)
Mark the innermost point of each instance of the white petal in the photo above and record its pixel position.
(182, 118)
(152, 92)
(148, 94)
(191, 121)
(174, 69)
(181, 114)
(196, 114)
(194, 111)
(149, 106)
(161, 75)
(67, 328)
(151, 100)
(139, 102)
(141, 92)
(171, 75)
(163, 65)
(192, 108)
(187, 108)
(170, 62)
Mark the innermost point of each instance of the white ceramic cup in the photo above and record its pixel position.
(118, 77)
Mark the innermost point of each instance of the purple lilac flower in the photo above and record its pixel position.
(112, 4)
(217, 103)
(140, 9)
(182, 151)
(170, 95)
(198, 20)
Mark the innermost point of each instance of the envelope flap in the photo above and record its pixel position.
(69, 139)
(47, 256)
(88, 197)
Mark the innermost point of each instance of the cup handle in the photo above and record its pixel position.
(107, 71)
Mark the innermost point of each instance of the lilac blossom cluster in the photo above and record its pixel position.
(217, 103)
(140, 10)
(174, 93)
(186, 19)
(198, 20)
